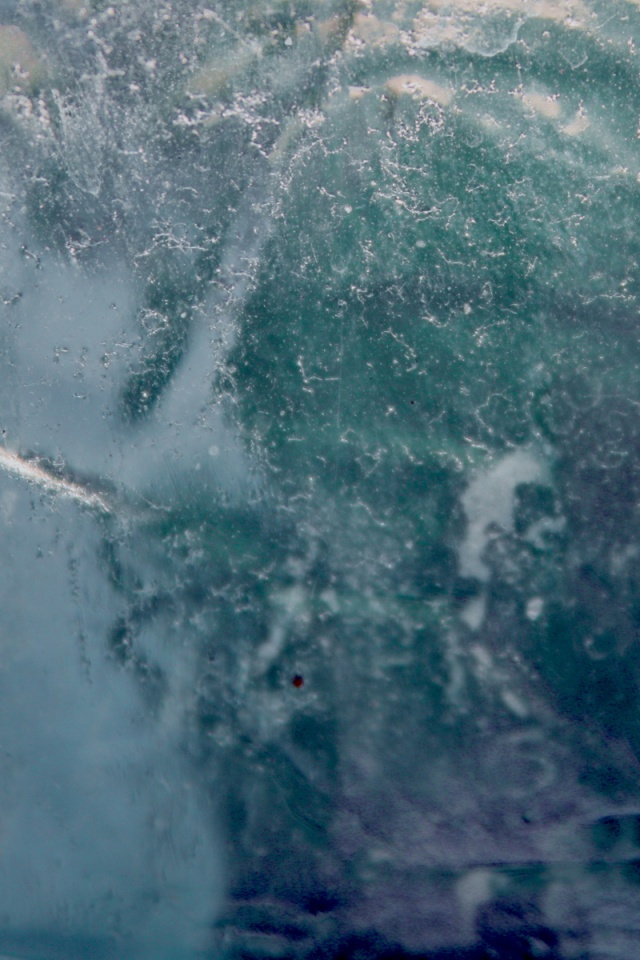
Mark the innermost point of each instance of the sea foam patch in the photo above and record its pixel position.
(488, 501)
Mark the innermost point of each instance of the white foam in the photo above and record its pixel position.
(489, 501)
(473, 612)
(534, 608)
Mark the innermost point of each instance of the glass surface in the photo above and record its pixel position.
(319, 479)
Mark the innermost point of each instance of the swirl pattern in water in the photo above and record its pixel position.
(320, 479)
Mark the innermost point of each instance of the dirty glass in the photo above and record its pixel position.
(319, 479)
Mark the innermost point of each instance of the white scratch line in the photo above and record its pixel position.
(30, 471)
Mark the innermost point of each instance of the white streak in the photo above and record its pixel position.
(489, 500)
(32, 472)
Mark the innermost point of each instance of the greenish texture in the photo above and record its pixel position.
(336, 306)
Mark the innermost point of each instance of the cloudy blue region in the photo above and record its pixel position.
(321, 593)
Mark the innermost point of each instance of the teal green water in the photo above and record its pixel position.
(336, 306)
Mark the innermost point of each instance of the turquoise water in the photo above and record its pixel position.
(320, 480)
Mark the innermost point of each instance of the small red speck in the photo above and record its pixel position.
(298, 680)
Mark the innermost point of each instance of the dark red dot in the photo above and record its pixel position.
(297, 680)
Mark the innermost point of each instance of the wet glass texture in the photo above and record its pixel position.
(319, 479)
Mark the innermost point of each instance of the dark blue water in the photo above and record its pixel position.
(320, 480)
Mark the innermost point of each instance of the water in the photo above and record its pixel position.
(319, 480)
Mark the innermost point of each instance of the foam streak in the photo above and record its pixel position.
(32, 472)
